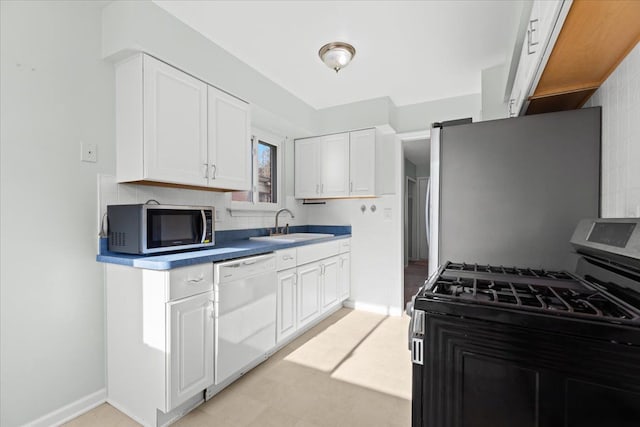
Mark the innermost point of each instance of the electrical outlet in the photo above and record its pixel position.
(88, 152)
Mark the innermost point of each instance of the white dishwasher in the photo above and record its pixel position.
(245, 307)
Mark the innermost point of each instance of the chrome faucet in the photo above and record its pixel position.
(277, 215)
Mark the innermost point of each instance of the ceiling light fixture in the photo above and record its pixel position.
(337, 55)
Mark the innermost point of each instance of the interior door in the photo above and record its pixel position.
(190, 360)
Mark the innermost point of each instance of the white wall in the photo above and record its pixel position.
(619, 97)
(406, 118)
(377, 237)
(494, 81)
(420, 116)
(56, 92)
(110, 192)
(144, 26)
(357, 115)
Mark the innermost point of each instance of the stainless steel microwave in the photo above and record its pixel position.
(148, 228)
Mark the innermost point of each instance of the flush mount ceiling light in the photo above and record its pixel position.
(337, 55)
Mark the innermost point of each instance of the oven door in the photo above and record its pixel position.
(173, 228)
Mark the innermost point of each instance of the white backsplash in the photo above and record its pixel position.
(619, 97)
(111, 193)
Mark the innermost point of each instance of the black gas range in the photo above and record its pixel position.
(499, 345)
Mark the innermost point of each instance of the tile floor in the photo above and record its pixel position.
(352, 369)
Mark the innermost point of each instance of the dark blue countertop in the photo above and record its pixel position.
(230, 244)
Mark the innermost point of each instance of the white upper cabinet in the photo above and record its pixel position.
(175, 124)
(336, 166)
(229, 142)
(173, 128)
(307, 168)
(538, 43)
(362, 163)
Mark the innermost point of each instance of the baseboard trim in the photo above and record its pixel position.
(373, 308)
(71, 411)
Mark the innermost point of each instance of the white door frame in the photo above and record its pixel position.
(400, 137)
(410, 250)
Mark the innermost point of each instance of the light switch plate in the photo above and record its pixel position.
(89, 152)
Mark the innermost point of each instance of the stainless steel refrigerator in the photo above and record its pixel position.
(510, 192)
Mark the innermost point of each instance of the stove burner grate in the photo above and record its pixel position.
(499, 269)
(584, 301)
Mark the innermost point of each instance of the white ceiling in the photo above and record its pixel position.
(411, 51)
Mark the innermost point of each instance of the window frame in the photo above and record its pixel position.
(258, 135)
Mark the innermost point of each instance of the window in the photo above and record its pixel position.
(266, 159)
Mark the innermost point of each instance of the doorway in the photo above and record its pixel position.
(416, 162)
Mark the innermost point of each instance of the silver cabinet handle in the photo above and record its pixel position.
(317, 188)
(215, 169)
(206, 171)
(198, 280)
(321, 188)
(250, 262)
(287, 257)
(511, 105)
(532, 29)
(351, 187)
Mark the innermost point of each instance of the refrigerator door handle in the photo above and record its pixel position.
(426, 212)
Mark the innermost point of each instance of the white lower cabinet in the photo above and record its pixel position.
(345, 276)
(160, 340)
(330, 283)
(309, 292)
(190, 367)
(287, 317)
(308, 298)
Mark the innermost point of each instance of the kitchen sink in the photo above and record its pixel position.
(292, 238)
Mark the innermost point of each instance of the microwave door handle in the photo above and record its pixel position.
(204, 225)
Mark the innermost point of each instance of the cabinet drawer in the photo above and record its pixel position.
(192, 280)
(345, 245)
(285, 259)
(318, 251)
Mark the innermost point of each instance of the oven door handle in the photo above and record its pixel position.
(409, 311)
(204, 225)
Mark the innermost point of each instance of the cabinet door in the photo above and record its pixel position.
(175, 125)
(307, 173)
(345, 276)
(286, 319)
(229, 142)
(362, 155)
(334, 160)
(330, 282)
(309, 306)
(190, 359)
